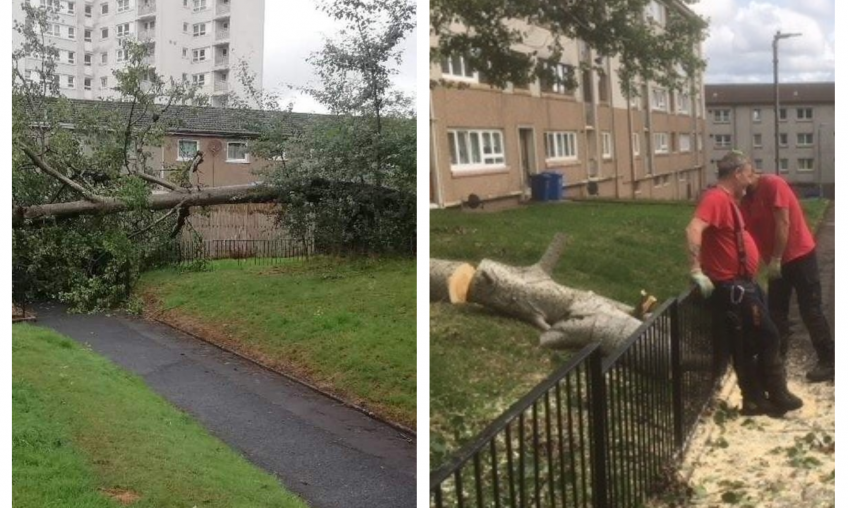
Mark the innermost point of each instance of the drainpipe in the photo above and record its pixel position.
(614, 132)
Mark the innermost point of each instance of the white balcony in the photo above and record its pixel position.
(221, 86)
(222, 61)
(222, 34)
(146, 35)
(146, 8)
(222, 9)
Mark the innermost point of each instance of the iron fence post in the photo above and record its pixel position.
(598, 419)
(676, 372)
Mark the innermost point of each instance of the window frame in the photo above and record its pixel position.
(448, 61)
(723, 145)
(636, 142)
(721, 116)
(659, 99)
(688, 137)
(561, 146)
(180, 141)
(195, 55)
(497, 159)
(245, 160)
(126, 3)
(798, 141)
(757, 140)
(607, 148)
(661, 143)
(804, 118)
(198, 29)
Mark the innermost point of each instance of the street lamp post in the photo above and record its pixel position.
(777, 37)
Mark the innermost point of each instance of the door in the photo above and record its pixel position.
(527, 149)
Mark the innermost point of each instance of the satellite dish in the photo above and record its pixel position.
(215, 146)
(592, 187)
(474, 201)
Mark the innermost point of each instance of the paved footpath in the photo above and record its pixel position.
(773, 463)
(330, 455)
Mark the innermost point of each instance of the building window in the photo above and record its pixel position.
(104, 33)
(685, 141)
(185, 27)
(72, 57)
(71, 8)
(237, 152)
(561, 73)
(199, 5)
(756, 115)
(655, 11)
(784, 139)
(603, 87)
(86, 59)
(758, 164)
(87, 11)
(659, 99)
(475, 148)
(72, 32)
(660, 142)
(561, 145)
(198, 79)
(804, 113)
(637, 143)
(457, 68)
(186, 149)
(87, 35)
(684, 101)
(185, 52)
(805, 165)
(721, 116)
(722, 140)
(758, 140)
(198, 55)
(783, 165)
(804, 139)
(122, 30)
(123, 5)
(606, 145)
(782, 114)
(121, 55)
(71, 82)
(86, 83)
(104, 8)
(199, 29)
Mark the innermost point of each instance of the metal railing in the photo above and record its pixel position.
(598, 432)
(187, 252)
(222, 34)
(221, 86)
(221, 61)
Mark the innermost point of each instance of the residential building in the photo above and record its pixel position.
(741, 116)
(200, 41)
(490, 142)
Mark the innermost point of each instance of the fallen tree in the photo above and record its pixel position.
(568, 317)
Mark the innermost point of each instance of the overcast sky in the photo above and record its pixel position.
(293, 30)
(738, 49)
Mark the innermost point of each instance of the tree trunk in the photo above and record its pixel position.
(250, 193)
(449, 280)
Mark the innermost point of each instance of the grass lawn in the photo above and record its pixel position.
(86, 434)
(345, 325)
(481, 363)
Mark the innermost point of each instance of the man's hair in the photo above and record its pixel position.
(731, 161)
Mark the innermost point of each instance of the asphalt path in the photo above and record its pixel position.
(327, 453)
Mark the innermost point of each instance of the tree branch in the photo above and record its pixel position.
(90, 196)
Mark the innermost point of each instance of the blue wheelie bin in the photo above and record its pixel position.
(554, 186)
(539, 186)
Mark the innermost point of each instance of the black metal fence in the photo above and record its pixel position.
(189, 251)
(598, 432)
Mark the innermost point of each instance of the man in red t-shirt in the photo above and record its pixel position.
(776, 221)
(724, 260)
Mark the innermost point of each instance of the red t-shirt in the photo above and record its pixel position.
(773, 193)
(719, 254)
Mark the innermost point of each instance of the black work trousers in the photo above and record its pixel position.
(802, 276)
(753, 340)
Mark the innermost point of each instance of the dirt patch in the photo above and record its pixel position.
(124, 496)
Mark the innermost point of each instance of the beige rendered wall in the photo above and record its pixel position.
(215, 170)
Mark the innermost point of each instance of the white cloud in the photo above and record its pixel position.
(739, 47)
(295, 29)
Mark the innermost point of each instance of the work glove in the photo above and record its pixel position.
(774, 269)
(705, 285)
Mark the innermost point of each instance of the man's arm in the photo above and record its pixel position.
(781, 232)
(694, 235)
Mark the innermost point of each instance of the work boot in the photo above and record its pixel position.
(779, 394)
(823, 371)
(756, 406)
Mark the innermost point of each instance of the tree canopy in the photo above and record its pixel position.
(486, 32)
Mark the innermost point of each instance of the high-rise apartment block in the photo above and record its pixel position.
(200, 41)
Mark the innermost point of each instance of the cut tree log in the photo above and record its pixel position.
(569, 318)
(449, 280)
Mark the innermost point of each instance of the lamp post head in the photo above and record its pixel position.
(779, 35)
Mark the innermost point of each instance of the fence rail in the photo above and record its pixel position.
(185, 252)
(598, 432)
